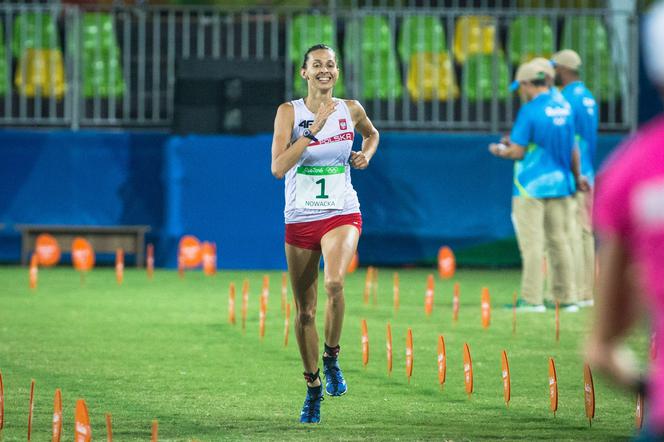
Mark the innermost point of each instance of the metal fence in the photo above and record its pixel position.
(116, 67)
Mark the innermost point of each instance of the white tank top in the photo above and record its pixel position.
(335, 141)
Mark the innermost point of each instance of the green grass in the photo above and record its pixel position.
(163, 349)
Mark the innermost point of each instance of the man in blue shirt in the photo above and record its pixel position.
(541, 143)
(586, 118)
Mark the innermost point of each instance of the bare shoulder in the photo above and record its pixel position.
(285, 112)
(356, 109)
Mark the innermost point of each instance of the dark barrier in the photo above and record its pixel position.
(421, 191)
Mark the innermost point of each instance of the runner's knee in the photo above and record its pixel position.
(334, 287)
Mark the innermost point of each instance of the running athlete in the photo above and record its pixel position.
(312, 149)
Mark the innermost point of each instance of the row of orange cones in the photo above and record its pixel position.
(588, 385)
(82, 428)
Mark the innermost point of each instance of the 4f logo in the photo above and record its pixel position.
(342, 124)
(306, 123)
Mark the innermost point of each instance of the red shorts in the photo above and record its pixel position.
(308, 235)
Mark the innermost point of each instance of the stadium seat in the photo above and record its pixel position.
(473, 34)
(421, 34)
(308, 30)
(479, 79)
(529, 37)
(40, 72)
(370, 44)
(587, 35)
(431, 76)
(4, 68)
(34, 30)
(100, 57)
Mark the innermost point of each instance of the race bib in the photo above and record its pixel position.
(320, 187)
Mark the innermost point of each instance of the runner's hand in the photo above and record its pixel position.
(358, 160)
(324, 111)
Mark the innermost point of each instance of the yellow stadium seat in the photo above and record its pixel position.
(473, 34)
(40, 72)
(429, 71)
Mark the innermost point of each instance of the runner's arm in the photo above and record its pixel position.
(370, 136)
(284, 154)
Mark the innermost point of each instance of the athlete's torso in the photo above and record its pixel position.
(335, 141)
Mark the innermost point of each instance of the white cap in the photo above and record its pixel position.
(653, 41)
(545, 65)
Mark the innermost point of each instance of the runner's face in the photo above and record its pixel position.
(322, 70)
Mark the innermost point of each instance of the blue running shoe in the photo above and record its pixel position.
(335, 384)
(311, 409)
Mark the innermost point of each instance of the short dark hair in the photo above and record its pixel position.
(315, 48)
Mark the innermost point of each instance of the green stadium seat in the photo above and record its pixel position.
(421, 34)
(4, 68)
(371, 43)
(481, 82)
(34, 30)
(100, 56)
(588, 36)
(309, 30)
(529, 37)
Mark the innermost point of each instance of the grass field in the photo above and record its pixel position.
(163, 349)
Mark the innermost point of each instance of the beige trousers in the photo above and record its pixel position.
(583, 245)
(541, 224)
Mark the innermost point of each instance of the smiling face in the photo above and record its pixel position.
(321, 69)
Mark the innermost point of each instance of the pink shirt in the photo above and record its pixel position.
(630, 203)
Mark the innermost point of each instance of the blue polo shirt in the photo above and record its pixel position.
(586, 120)
(545, 127)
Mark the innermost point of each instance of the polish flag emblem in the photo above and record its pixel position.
(342, 124)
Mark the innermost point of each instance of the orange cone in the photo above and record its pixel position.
(388, 346)
(231, 303)
(428, 296)
(149, 261)
(467, 370)
(245, 302)
(507, 383)
(284, 291)
(368, 284)
(638, 417)
(409, 354)
(32, 407)
(286, 324)
(374, 286)
(365, 343)
(119, 265)
(442, 361)
(57, 415)
(553, 386)
(82, 430)
(486, 308)
(34, 269)
(209, 258)
(354, 262)
(262, 312)
(155, 431)
(446, 263)
(589, 393)
(109, 429)
(265, 293)
(395, 291)
(456, 302)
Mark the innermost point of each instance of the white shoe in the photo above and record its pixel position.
(571, 308)
(586, 303)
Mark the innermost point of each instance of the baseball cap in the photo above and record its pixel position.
(527, 72)
(546, 66)
(567, 58)
(653, 39)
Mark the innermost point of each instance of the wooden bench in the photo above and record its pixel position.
(104, 239)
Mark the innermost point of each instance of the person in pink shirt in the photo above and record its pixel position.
(629, 216)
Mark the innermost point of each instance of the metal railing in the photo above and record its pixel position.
(150, 40)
